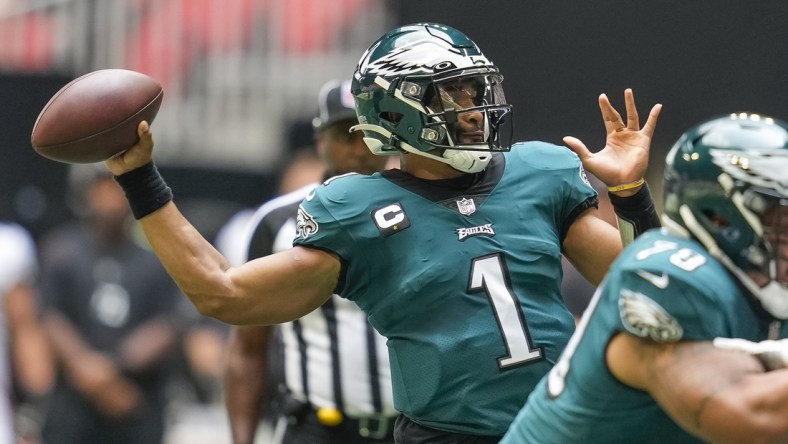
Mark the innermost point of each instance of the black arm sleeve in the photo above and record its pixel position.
(636, 214)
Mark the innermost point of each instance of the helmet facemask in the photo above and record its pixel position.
(462, 115)
(760, 259)
(463, 111)
(771, 277)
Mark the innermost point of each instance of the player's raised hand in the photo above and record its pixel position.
(136, 156)
(624, 159)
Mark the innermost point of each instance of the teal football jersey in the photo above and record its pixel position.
(463, 282)
(662, 287)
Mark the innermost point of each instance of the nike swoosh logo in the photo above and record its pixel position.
(311, 194)
(660, 281)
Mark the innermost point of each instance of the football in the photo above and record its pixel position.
(95, 116)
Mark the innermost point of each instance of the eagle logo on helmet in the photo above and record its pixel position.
(419, 57)
(763, 168)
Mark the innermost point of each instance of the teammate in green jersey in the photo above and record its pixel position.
(456, 258)
(642, 365)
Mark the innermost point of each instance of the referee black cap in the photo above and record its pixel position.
(335, 103)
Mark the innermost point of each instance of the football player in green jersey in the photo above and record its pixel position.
(455, 257)
(643, 365)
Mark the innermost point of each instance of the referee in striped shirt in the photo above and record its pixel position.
(336, 369)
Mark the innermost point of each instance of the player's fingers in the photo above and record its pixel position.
(610, 116)
(146, 136)
(633, 122)
(143, 129)
(578, 147)
(651, 123)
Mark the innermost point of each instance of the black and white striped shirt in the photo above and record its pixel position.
(332, 357)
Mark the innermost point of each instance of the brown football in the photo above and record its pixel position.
(95, 116)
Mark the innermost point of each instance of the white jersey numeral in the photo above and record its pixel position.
(487, 274)
(556, 379)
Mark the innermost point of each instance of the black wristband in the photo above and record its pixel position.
(637, 209)
(145, 190)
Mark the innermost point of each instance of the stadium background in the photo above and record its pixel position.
(239, 74)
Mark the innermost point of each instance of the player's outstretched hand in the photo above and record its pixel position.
(136, 156)
(624, 159)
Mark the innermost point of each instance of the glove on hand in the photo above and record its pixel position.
(773, 354)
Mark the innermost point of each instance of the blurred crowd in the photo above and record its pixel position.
(101, 346)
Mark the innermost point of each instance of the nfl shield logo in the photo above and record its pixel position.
(466, 206)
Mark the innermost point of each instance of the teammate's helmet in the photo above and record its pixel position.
(726, 184)
(427, 89)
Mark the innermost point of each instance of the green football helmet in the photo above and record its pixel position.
(427, 89)
(726, 185)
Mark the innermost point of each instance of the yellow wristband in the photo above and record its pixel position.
(627, 186)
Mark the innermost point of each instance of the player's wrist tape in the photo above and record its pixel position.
(627, 186)
(145, 190)
(635, 213)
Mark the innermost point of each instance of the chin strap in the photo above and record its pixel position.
(460, 160)
(467, 161)
(774, 299)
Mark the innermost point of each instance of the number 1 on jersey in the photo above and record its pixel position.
(488, 274)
